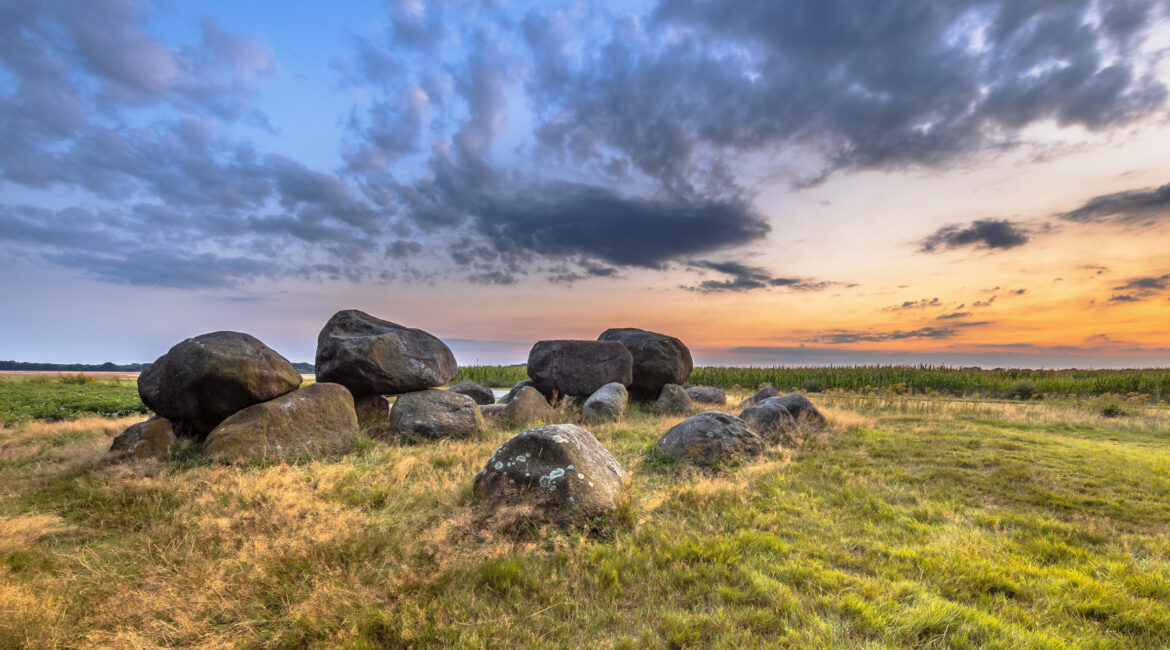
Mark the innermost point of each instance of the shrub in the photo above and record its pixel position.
(813, 385)
(1022, 390)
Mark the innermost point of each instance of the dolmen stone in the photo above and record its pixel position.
(312, 421)
(560, 469)
(707, 395)
(658, 360)
(711, 438)
(606, 404)
(760, 395)
(673, 400)
(152, 439)
(578, 367)
(371, 409)
(435, 414)
(481, 394)
(371, 356)
(202, 380)
(528, 405)
(772, 421)
(512, 393)
(803, 410)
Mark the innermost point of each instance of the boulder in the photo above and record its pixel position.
(480, 394)
(512, 393)
(528, 405)
(673, 400)
(316, 420)
(370, 356)
(658, 360)
(803, 410)
(559, 469)
(772, 421)
(435, 414)
(760, 395)
(152, 439)
(578, 367)
(707, 395)
(371, 409)
(711, 438)
(606, 403)
(204, 379)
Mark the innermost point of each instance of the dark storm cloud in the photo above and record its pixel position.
(152, 268)
(748, 278)
(982, 233)
(1129, 207)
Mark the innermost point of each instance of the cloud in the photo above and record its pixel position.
(954, 315)
(1124, 298)
(911, 305)
(748, 278)
(843, 336)
(1142, 206)
(984, 233)
(1148, 283)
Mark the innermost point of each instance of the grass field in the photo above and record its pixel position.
(60, 397)
(911, 521)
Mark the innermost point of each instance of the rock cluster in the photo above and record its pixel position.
(578, 368)
(658, 359)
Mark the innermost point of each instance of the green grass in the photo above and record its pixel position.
(912, 522)
(67, 397)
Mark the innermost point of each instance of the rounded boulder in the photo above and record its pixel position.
(152, 439)
(481, 394)
(711, 438)
(435, 414)
(771, 420)
(707, 395)
(659, 359)
(371, 356)
(578, 367)
(606, 404)
(673, 400)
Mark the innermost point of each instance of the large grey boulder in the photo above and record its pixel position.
(561, 470)
(482, 395)
(527, 405)
(772, 421)
(606, 404)
(316, 420)
(711, 438)
(435, 414)
(204, 379)
(371, 356)
(673, 400)
(578, 367)
(760, 395)
(803, 410)
(707, 395)
(658, 360)
(152, 439)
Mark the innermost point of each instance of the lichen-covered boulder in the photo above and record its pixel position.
(760, 395)
(204, 379)
(606, 404)
(152, 439)
(435, 414)
(673, 400)
(803, 410)
(527, 405)
(658, 360)
(371, 356)
(772, 421)
(560, 469)
(707, 395)
(316, 420)
(371, 409)
(512, 393)
(711, 438)
(578, 367)
(481, 394)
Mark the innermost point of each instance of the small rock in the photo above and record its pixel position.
(673, 400)
(772, 421)
(803, 410)
(152, 439)
(578, 367)
(528, 405)
(316, 420)
(764, 393)
(658, 360)
(710, 438)
(512, 393)
(606, 404)
(707, 395)
(371, 356)
(435, 414)
(561, 469)
(482, 395)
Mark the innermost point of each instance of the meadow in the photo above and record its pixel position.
(912, 521)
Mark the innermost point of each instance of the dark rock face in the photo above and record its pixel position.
(317, 420)
(578, 367)
(759, 396)
(481, 394)
(203, 380)
(772, 421)
(803, 410)
(528, 405)
(710, 438)
(673, 400)
(370, 356)
(707, 395)
(512, 393)
(606, 404)
(153, 439)
(658, 360)
(435, 414)
(371, 409)
(560, 469)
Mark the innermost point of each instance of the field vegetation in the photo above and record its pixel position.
(67, 396)
(911, 521)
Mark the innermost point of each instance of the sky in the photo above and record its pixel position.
(806, 182)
